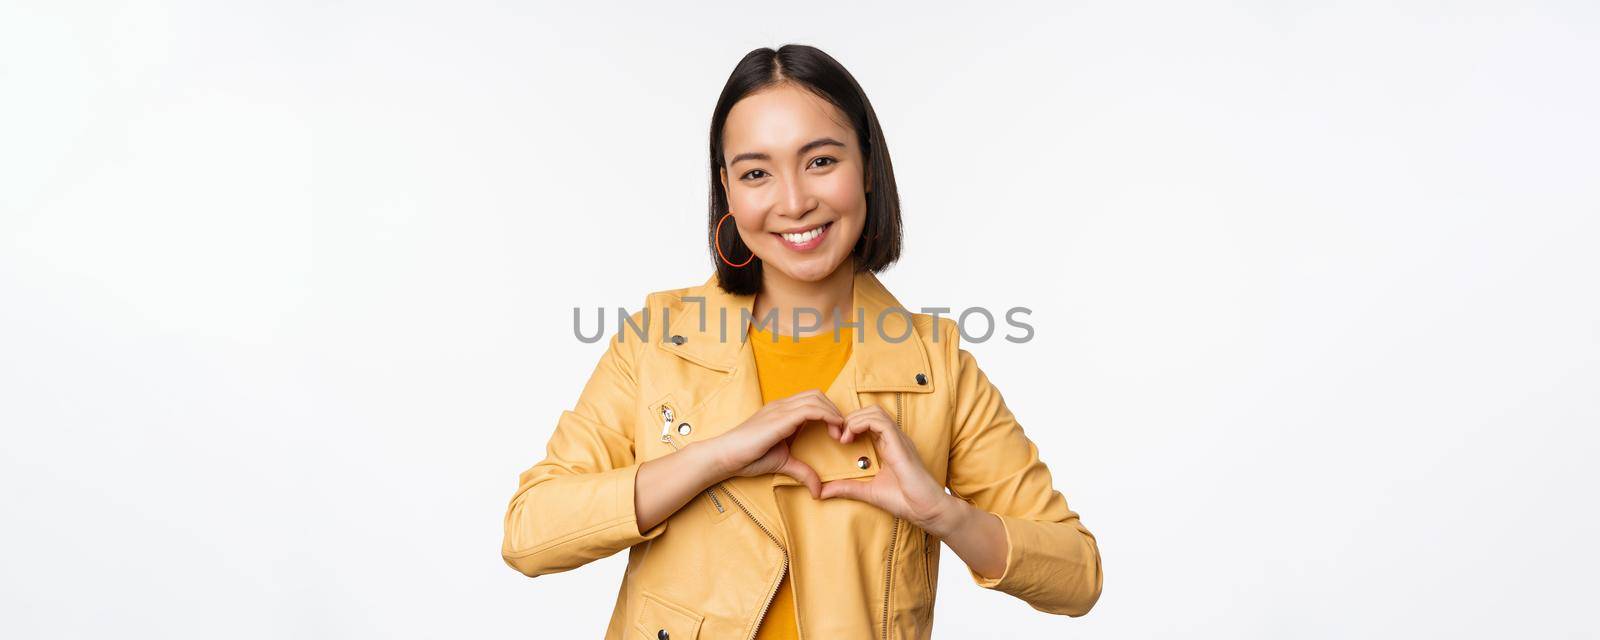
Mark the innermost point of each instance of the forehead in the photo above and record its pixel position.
(779, 119)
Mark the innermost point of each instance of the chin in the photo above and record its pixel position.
(810, 270)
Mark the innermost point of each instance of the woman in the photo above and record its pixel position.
(754, 504)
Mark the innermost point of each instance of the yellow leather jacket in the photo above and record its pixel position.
(710, 570)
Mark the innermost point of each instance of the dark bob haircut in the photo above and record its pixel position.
(810, 68)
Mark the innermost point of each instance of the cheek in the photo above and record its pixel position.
(844, 193)
(750, 224)
(740, 203)
(750, 214)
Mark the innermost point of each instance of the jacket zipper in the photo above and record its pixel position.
(927, 567)
(666, 436)
(894, 535)
(774, 539)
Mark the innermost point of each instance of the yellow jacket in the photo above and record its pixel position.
(711, 569)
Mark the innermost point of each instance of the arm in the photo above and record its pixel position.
(1050, 560)
(581, 503)
(590, 498)
(977, 536)
(667, 483)
(750, 449)
(1003, 517)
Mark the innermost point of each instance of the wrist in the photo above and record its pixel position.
(951, 516)
(708, 461)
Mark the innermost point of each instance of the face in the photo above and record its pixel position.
(796, 181)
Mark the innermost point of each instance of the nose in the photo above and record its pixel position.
(796, 200)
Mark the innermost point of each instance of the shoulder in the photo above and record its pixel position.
(673, 300)
(944, 350)
(659, 309)
(637, 322)
(938, 334)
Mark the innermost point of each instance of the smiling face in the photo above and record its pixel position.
(795, 176)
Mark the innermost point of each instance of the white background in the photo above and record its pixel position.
(287, 294)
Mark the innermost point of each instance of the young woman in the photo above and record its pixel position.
(773, 447)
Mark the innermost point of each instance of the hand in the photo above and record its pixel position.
(760, 444)
(902, 485)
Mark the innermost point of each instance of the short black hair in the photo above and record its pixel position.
(810, 68)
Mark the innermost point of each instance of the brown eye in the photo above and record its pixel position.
(752, 172)
(830, 160)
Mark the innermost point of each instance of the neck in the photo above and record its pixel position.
(831, 297)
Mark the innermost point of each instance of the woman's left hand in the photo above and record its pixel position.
(902, 485)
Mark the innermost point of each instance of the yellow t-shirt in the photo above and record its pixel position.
(787, 367)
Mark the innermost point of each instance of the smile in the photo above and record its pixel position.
(806, 239)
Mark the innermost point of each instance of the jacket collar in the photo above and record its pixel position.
(887, 352)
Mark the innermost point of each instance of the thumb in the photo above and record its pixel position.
(803, 472)
(845, 488)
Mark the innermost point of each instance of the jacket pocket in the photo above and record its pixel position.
(716, 507)
(927, 564)
(662, 620)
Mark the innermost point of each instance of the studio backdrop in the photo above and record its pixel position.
(287, 296)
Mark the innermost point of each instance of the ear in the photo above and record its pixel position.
(723, 174)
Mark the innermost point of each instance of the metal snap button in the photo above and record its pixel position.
(683, 429)
(922, 379)
(661, 634)
(862, 462)
(677, 340)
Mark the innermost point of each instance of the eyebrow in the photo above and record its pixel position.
(755, 155)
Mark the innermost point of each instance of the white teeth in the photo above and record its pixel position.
(803, 237)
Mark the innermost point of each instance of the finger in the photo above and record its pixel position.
(814, 395)
(869, 412)
(816, 413)
(791, 419)
(890, 442)
(860, 424)
(846, 433)
(803, 472)
(811, 394)
(847, 488)
(869, 409)
(826, 408)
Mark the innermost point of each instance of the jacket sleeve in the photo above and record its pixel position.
(576, 505)
(1052, 561)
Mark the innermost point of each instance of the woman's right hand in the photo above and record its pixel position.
(760, 444)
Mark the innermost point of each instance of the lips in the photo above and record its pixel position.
(806, 239)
